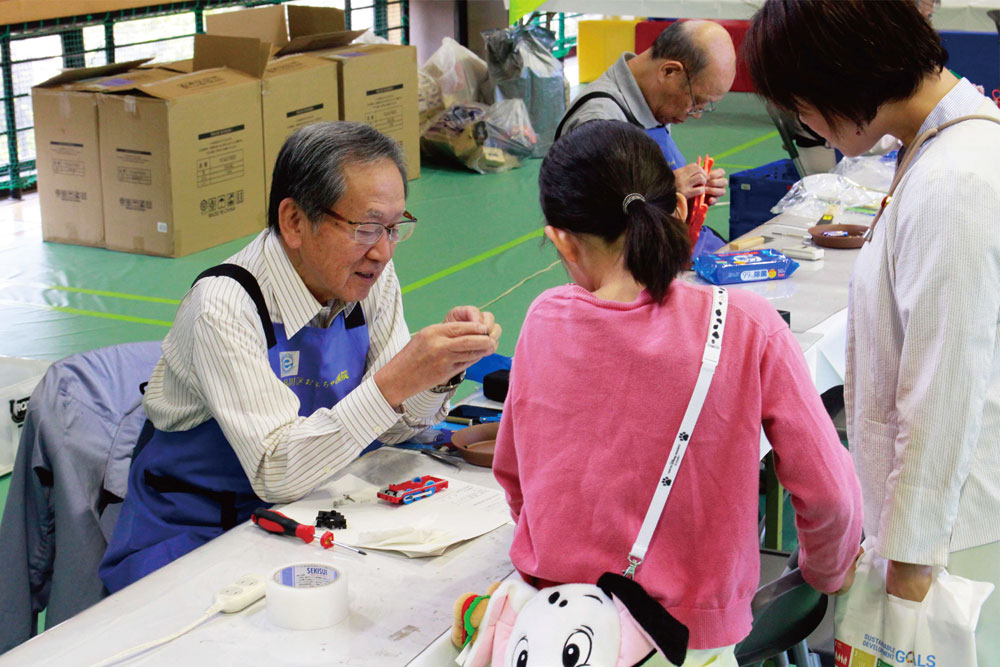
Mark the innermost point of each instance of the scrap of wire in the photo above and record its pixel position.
(536, 273)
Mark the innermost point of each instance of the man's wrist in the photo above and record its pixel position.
(450, 385)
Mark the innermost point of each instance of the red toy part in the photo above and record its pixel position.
(406, 492)
(327, 540)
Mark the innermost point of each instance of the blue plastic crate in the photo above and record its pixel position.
(753, 192)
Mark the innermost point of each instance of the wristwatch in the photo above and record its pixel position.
(450, 385)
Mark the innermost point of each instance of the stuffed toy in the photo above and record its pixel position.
(614, 623)
(469, 612)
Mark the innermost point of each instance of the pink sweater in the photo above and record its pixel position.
(598, 389)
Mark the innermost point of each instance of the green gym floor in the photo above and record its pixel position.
(478, 236)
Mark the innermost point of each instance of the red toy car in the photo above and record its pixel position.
(406, 492)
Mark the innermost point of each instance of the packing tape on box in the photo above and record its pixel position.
(306, 596)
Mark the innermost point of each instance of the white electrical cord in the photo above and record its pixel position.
(229, 600)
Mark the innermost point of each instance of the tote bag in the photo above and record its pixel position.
(875, 629)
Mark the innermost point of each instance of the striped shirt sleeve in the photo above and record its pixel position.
(215, 364)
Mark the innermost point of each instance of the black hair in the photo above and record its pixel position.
(846, 58)
(676, 43)
(310, 165)
(584, 181)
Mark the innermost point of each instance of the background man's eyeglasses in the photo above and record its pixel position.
(708, 107)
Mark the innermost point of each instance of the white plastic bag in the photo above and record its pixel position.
(874, 629)
(458, 72)
(487, 139)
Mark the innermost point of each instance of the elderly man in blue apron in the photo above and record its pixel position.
(292, 358)
(690, 67)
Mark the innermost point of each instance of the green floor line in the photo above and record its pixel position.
(89, 313)
(455, 268)
(744, 146)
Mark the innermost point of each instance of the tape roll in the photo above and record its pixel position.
(306, 596)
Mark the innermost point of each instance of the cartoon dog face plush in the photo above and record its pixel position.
(611, 624)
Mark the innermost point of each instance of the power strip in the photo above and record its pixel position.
(230, 600)
(242, 594)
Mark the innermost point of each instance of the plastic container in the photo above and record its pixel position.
(754, 191)
(18, 378)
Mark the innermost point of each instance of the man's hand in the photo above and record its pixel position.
(715, 185)
(437, 353)
(849, 579)
(907, 580)
(690, 180)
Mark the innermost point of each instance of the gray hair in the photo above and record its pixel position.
(310, 167)
(675, 43)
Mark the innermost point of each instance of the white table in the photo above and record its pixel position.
(815, 295)
(398, 605)
(401, 608)
(950, 15)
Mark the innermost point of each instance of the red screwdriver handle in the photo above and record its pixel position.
(275, 522)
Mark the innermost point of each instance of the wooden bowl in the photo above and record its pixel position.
(854, 239)
(476, 443)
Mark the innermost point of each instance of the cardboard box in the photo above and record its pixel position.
(297, 90)
(68, 148)
(378, 86)
(181, 161)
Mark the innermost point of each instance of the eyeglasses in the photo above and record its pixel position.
(695, 111)
(369, 233)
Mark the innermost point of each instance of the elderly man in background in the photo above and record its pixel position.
(291, 358)
(690, 67)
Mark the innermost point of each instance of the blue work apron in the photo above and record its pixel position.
(675, 160)
(187, 487)
(708, 241)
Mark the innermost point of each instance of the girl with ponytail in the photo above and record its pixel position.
(602, 375)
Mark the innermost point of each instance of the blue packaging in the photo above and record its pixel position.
(745, 267)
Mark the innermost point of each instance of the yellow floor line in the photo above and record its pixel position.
(472, 260)
(89, 313)
(744, 146)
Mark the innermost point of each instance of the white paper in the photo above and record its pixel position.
(425, 527)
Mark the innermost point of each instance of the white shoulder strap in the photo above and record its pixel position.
(709, 361)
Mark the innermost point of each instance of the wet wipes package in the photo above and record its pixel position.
(745, 267)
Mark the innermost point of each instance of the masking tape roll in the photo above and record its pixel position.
(306, 596)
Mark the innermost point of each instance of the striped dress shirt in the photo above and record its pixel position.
(215, 365)
(923, 355)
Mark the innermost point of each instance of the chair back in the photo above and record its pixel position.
(785, 612)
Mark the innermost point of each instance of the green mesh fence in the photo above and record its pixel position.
(34, 52)
(564, 26)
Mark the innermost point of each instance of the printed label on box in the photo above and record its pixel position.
(303, 110)
(161, 227)
(384, 108)
(221, 159)
(135, 176)
(135, 204)
(69, 168)
(224, 203)
(71, 195)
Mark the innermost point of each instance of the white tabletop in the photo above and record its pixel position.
(398, 605)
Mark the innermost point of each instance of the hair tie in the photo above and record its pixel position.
(629, 199)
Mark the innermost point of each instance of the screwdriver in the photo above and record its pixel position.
(275, 522)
